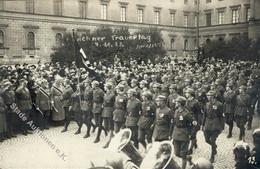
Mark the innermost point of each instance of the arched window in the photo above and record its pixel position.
(58, 39)
(31, 40)
(185, 44)
(2, 39)
(172, 44)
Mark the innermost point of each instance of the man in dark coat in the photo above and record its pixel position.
(213, 122)
(184, 121)
(163, 121)
(146, 119)
(229, 107)
(24, 103)
(133, 108)
(252, 92)
(241, 110)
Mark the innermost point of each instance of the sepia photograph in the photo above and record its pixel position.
(129, 84)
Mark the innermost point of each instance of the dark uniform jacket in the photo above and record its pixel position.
(133, 108)
(9, 98)
(213, 117)
(252, 92)
(98, 97)
(148, 115)
(87, 99)
(171, 101)
(242, 105)
(183, 123)
(229, 102)
(108, 104)
(67, 96)
(43, 101)
(194, 106)
(23, 96)
(162, 122)
(119, 114)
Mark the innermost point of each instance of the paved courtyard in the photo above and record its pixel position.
(55, 150)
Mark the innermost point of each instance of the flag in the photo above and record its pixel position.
(81, 60)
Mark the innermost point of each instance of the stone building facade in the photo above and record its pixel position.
(30, 30)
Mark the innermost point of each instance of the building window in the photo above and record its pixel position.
(207, 41)
(58, 40)
(58, 7)
(83, 9)
(186, 1)
(208, 1)
(185, 44)
(172, 44)
(2, 39)
(123, 13)
(1, 5)
(195, 20)
(172, 16)
(247, 14)
(208, 19)
(195, 2)
(103, 11)
(157, 17)
(29, 6)
(235, 16)
(221, 17)
(195, 43)
(31, 40)
(140, 15)
(185, 20)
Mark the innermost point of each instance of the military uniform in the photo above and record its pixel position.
(252, 92)
(108, 109)
(119, 114)
(146, 121)
(241, 112)
(229, 107)
(213, 123)
(162, 126)
(43, 102)
(24, 103)
(56, 95)
(133, 109)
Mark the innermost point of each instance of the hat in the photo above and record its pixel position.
(242, 87)
(109, 85)
(181, 99)
(160, 98)
(156, 85)
(120, 87)
(6, 82)
(131, 91)
(173, 86)
(211, 93)
(190, 91)
(147, 94)
(134, 81)
(143, 82)
(95, 83)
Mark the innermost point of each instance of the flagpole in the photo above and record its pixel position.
(78, 70)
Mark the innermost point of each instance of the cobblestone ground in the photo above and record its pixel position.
(32, 151)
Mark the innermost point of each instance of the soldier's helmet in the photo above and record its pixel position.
(190, 91)
(173, 86)
(131, 91)
(181, 100)
(202, 163)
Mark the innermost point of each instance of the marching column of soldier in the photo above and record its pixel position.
(166, 101)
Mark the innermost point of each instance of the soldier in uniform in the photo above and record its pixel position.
(156, 90)
(66, 97)
(146, 119)
(134, 85)
(133, 108)
(241, 110)
(98, 98)
(193, 106)
(24, 103)
(9, 98)
(108, 108)
(172, 97)
(229, 106)
(163, 120)
(213, 122)
(58, 114)
(252, 92)
(143, 86)
(119, 114)
(183, 122)
(43, 104)
(86, 107)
